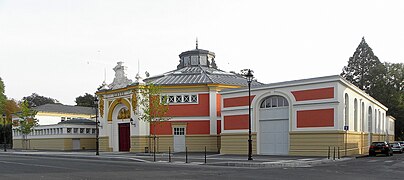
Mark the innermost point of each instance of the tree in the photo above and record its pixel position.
(11, 107)
(153, 107)
(362, 67)
(35, 100)
(3, 97)
(27, 121)
(86, 100)
(383, 81)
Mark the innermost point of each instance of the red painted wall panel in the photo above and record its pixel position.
(236, 122)
(193, 127)
(200, 109)
(237, 101)
(314, 94)
(163, 128)
(315, 118)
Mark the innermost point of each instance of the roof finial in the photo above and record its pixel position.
(196, 42)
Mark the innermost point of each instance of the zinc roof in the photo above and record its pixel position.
(199, 75)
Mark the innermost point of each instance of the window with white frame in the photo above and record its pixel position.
(69, 130)
(180, 98)
(346, 109)
(370, 119)
(274, 101)
(179, 131)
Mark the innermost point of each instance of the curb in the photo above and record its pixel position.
(128, 159)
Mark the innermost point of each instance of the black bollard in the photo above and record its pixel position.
(333, 157)
(186, 154)
(169, 154)
(205, 154)
(328, 155)
(339, 157)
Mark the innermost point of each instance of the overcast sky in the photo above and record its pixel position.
(60, 48)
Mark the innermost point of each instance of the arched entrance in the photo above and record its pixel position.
(274, 126)
(119, 115)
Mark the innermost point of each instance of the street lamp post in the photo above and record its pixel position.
(4, 132)
(97, 149)
(249, 77)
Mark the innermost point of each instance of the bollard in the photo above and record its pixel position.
(328, 155)
(169, 154)
(205, 154)
(186, 154)
(333, 157)
(339, 157)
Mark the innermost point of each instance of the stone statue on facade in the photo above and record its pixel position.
(120, 80)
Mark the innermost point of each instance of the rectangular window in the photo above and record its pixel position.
(81, 130)
(179, 131)
(178, 99)
(171, 99)
(75, 130)
(186, 98)
(194, 98)
(87, 130)
(93, 130)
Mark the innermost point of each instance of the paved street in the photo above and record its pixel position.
(41, 167)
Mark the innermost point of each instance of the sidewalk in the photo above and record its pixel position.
(191, 159)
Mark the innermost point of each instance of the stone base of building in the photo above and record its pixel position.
(165, 143)
(104, 144)
(64, 144)
(237, 143)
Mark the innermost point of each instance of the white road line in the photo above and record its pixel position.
(37, 165)
(388, 161)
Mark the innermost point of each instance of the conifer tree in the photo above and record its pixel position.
(363, 67)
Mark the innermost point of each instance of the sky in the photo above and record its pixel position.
(65, 48)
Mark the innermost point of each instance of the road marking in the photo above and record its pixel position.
(38, 165)
(388, 161)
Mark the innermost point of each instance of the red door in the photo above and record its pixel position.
(124, 137)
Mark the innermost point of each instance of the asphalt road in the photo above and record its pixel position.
(31, 167)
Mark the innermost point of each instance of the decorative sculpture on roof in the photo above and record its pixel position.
(120, 80)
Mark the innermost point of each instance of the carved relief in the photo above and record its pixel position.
(101, 106)
(124, 114)
(134, 101)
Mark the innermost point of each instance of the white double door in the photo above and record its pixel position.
(274, 137)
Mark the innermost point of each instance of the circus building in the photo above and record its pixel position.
(192, 91)
(208, 108)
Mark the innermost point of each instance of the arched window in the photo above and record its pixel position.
(376, 130)
(370, 119)
(346, 109)
(379, 122)
(383, 124)
(363, 117)
(274, 102)
(356, 114)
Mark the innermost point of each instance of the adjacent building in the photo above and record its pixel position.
(61, 127)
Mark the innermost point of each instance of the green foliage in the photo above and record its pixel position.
(3, 97)
(362, 67)
(86, 100)
(35, 100)
(383, 81)
(152, 110)
(27, 119)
